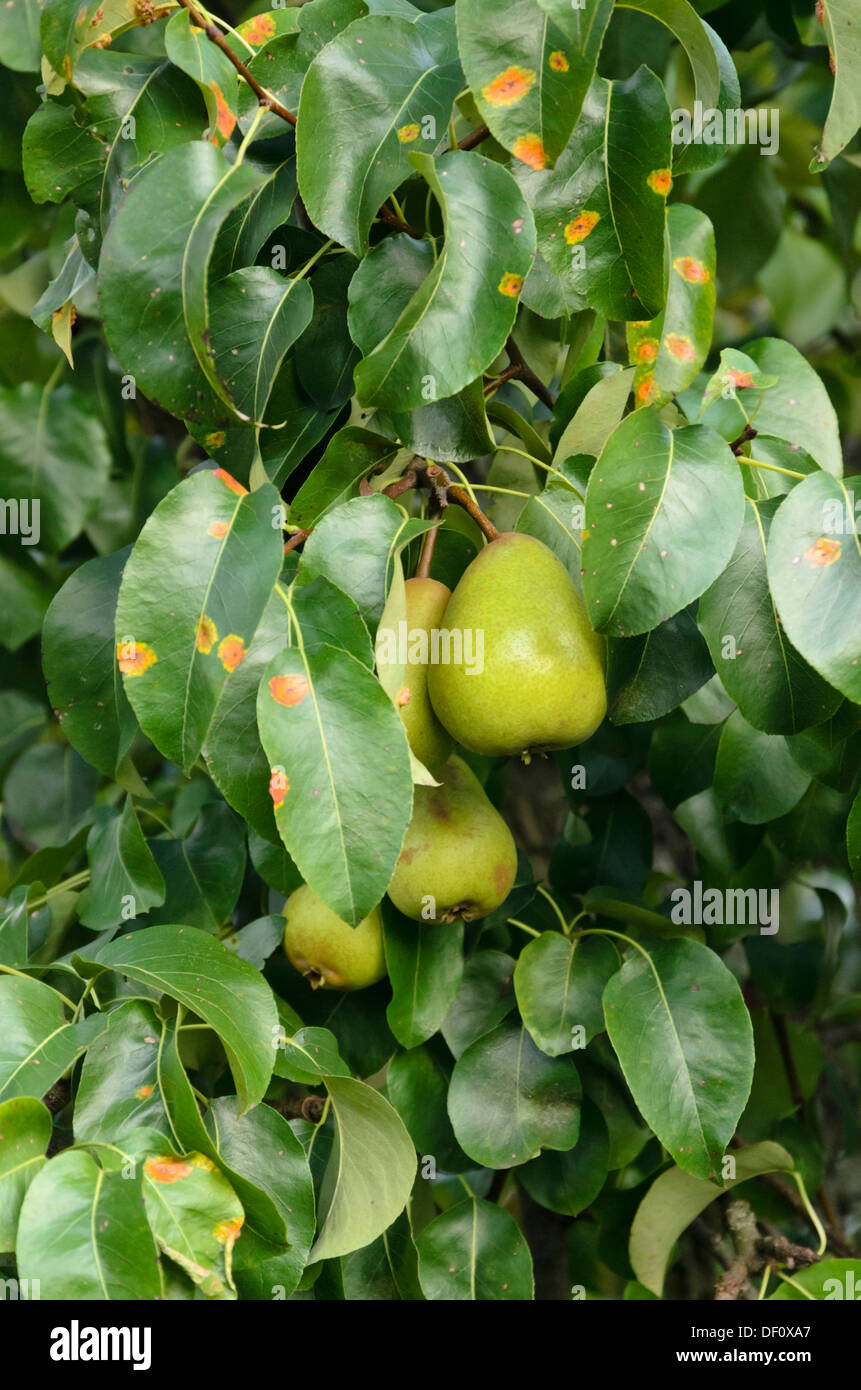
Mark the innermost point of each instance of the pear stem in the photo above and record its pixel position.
(447, 491)
(423, 567)
(523, 927)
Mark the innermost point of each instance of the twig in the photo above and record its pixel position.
(525, 374)
(446, 492)
(507, 375)
(296, 539)
(265, 98)
(474, 138)
(754, 1252)
(747, 433)
(386, 215)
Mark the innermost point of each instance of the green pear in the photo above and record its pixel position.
(328, 951)
(541, 685)
(458, 852)
(426, 604)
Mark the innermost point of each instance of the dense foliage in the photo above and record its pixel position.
(300, 306)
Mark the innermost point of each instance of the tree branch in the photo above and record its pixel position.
(446, 492)
(386, 215)
(525, 374)
(474, 138)
(264, 97)
(747, 433)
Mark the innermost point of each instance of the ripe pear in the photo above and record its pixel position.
(457, 851)
(328, 951)
(542, 682)
(431, 743)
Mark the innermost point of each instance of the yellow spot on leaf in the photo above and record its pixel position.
(231, 651)
(822, 552)
(134, 657)
(227, 1231)
(408, 133)
(558, 62)
(691, 270)
(646, 350)
(510, 285)
(215, 439)
(660, 181)
(206, 635)
(289, 690)
(509, 86)
(143, 1092)
(201, 1161)
(581, 226)
(166, 1169)
(530, 148)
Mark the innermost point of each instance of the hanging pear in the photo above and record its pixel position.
(328, 951)
(426, 604)
(458, 859)
(541, 685)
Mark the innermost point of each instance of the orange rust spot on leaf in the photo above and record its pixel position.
(739, 378)
(133, 658)
(646, 350)
(206, 635)
(660, 181)
(289, 690)
(691, 270)
(227, 1231)
(225, 119)
(143, 1092)
(680, 347)
(279, 786)
(558, 61)
(530, 148)
(509, 86)
(215, 439)
(822, 552)
(510, 285)
(646, 389)
(258, 29)
(230, 481)
(217, 529)
(408, 133)
(166, 1169)
(231, 651)
(580, 227)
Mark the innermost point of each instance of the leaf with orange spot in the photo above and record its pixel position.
(683, 329)
(231, 651)
(190, 50)
(529, 67)
(289, 690)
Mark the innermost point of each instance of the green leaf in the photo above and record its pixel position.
(325, 355)
(370, 1172)
(844, 47)
(249, 226)
(386, 1269)
(488, 250)
(507, 1100)
(326, 615)
(670, 350)
(682, 1034)
(153, 276)
(650, 675)
(814, 565)
(484, 998)
(342, 820)
(25, 1131)
(559, 982)
(474, 1251)
(83, 1233)
(48, 795)
(309, 1056)
(70, 27)
(569, 1182)
(223, 990)
(829, 1279)
(682, 758)
(54, 460)
(24, 598)
(78, 658)
(202, 872)
(177, 650)
(676, 1198)
(383, 89)
(529, 65)
(350, 455)
(118, 1089)
(663, 512)
(417, 1085)
(756, 777)
(598, 411)
(38, 1043)
(232, 751)
(612, 218)
(775, 689)
(189, 49)
(256, 317)
(121, 866)
(853, 837)
(19, 44)
(425, 963)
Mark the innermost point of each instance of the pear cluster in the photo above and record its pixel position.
(539, 686)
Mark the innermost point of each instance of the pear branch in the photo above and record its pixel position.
(525, 374)
(265, 98)
(423, 567)
(446, 492)
(474, 138)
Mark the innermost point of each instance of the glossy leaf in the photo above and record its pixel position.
(342, 821)
(682, 1034)
(425, 963)
(350, 455)
(663, 512)
(38, 1043)
(118, 1088)
(488, 250)
(417, 1084)
(484, 998)
(529, 65)
(202, 871)
(25, 1131)
(650, 675)
(189, 49)
(351, 546)
(559, 983)
(213, 983)
(507, 1100)
(756, 777)
(600, 223)
(177, 651)
(474, 1251)
(383, 90)
(569, 1182)
(256, 317)
(844, 47)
